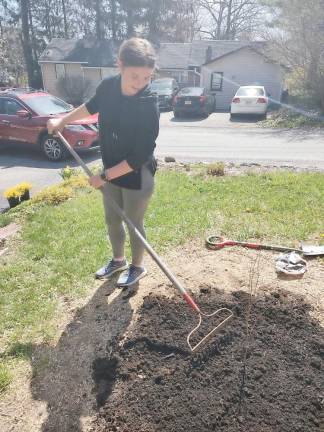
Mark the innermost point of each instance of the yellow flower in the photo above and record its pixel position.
(12, 192)
(23, 187)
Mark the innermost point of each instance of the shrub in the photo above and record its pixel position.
(77, 181)
(53, 195)
(216, 169)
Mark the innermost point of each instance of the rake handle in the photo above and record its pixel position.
(130, 224)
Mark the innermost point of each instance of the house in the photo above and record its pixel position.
(221, 66)
(89, 58)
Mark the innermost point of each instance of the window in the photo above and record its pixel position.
(60, 70)
(47, 105)
(179, 76)
(2, 111)
(10, 107)
(250, 91)
(216, 81)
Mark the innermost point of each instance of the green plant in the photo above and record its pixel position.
(216, 169)
(68, 172)
(286, 118)
(4, 220)
(53, 195)
(79, 181)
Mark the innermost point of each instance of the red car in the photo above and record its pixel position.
(23, 118)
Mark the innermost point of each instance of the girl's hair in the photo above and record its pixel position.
(137, 52)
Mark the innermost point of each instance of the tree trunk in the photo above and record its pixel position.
(66, 34)
(229, 20)
(99, 23)
(25, 39)
(113, 14)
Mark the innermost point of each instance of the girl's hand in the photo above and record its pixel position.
(54, 125)
(96, 182)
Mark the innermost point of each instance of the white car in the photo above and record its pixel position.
(250, 100)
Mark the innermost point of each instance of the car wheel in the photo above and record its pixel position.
(53, 149)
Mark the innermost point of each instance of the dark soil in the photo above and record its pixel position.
(271, 381)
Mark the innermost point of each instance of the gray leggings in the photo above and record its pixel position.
(134, 203)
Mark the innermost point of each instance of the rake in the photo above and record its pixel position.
(190, 301)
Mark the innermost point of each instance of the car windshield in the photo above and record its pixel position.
(161, 85)
(46, 105)
(250, 91)
(191, 91)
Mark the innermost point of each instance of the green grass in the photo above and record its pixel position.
(5, 377)
(63, 245)
(4, 220)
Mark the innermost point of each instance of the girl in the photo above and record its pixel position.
(128, 128)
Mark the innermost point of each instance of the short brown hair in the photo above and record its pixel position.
(137, 52)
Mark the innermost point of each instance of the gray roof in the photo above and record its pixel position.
(173, 55)
(101, 53)
(90, 51)
(183, 55)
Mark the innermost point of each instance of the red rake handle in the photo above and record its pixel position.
(190, 301)
(216, 242)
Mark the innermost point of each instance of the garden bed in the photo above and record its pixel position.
(270, 381)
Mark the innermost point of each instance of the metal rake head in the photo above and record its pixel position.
(217, 328)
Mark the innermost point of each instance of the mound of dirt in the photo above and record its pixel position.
(263, 373)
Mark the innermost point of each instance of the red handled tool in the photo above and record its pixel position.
(216, 242)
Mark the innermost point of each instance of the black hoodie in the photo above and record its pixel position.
(128, 128)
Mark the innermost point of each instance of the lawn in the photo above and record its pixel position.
(61, 246)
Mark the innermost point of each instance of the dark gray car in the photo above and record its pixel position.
(194, 100)
(166, 89)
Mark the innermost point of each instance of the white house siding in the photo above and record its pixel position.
(244, 67)
(94, 76)
(108, 71)
(50, 79)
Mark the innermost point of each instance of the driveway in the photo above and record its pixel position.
(239, 141)
(214, 138)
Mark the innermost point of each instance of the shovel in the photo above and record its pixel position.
(226, 313)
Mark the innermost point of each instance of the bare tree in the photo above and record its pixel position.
(230, 19)
(298, 42)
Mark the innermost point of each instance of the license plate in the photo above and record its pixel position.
(248, 102)
(187, 102)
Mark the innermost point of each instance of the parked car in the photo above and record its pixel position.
(166, 89)
(193, 100)
(23, 118)
(250, 100)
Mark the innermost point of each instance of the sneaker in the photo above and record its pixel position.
(111, 268)
(132, 275)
